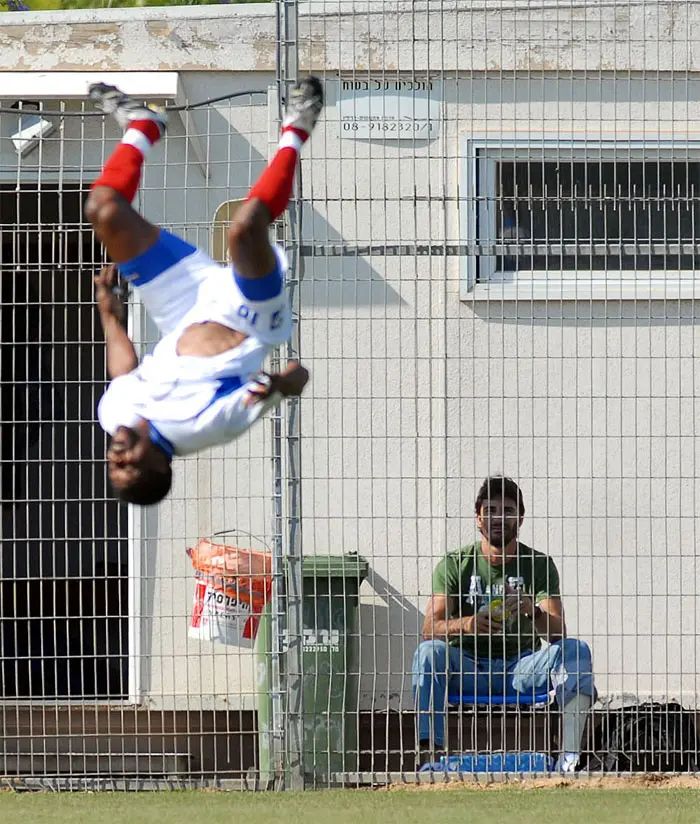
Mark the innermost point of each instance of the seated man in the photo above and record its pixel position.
(482, 648)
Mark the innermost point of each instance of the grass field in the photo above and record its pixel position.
(401, 806)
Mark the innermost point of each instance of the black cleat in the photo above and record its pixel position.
(304, 105)
(110, 100)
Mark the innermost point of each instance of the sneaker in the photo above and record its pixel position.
(110, 100)
(304, 105)
(567, 762)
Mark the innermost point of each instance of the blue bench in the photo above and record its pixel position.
(511, 698)
(507, 762)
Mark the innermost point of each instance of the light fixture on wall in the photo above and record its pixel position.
(32, 127)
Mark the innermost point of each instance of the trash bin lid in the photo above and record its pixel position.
(349, 565)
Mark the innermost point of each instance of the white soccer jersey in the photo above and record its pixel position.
(189, 408)
(196, 402)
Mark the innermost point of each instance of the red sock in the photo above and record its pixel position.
(122, 171)
(275, 184)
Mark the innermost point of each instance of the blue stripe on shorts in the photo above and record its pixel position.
(227, 386)
(165, 252)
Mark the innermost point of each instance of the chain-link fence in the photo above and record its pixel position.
(493, 247)
(499, 277)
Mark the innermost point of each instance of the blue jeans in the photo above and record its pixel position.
(439, 668)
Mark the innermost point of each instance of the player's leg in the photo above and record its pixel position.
(164, 270)
(249, 242)
(124, 233)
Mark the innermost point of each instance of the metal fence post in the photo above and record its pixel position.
(287, 74)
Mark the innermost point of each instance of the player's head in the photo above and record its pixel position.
(499, 510)
(139, 470)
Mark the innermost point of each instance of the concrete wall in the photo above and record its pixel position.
(363, 35)
(416, 394)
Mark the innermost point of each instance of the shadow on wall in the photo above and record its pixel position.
(337, 279)
(389, 635)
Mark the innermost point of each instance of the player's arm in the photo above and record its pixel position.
(121, 355)
(439, 621)
(546, 612)
(235, 414)
(290, 381)
(549, 618)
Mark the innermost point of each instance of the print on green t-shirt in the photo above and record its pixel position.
(468, 577)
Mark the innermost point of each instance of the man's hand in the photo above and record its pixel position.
(482, 623)
(291, 381)
(516, 602)
(108, 301)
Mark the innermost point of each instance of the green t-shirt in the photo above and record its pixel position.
(468, 577)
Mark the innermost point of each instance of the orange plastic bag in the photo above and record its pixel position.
(232, 586)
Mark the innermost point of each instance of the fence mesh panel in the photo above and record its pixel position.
(494, 259)
(500, 276)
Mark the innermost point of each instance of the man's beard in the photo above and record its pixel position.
(499, 539)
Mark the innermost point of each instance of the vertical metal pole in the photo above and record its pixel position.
(277, 622)
(278, 628)
(135, 541)
(288, 70)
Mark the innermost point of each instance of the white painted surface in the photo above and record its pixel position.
(74, 85)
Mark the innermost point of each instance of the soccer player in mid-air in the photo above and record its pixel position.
(202, 386)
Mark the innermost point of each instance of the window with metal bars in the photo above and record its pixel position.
(63, 537)
(606, 217)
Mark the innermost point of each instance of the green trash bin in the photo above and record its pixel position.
(330, 603)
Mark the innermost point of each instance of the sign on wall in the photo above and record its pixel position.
(388, 109)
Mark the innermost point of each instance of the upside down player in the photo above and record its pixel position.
(202, 386)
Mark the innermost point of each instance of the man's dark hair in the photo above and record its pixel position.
(501, 487)
(151, 487)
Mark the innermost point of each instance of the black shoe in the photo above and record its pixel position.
(110, 100)
(304, 105)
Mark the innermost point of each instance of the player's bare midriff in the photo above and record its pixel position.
(205, 340)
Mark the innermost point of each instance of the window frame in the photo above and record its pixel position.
(478, 278)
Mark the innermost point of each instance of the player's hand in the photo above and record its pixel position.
(107, 294)
(259, 388)
(483, 624)
(291, 381)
